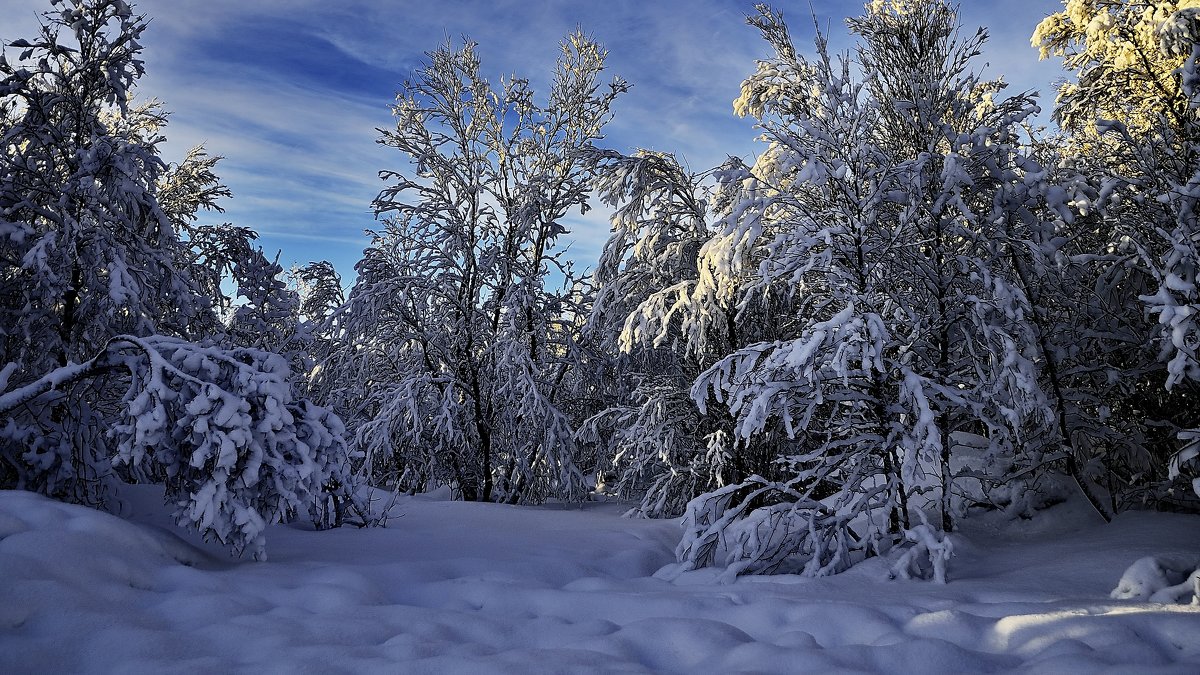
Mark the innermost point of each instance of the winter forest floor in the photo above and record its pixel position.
(454, 587)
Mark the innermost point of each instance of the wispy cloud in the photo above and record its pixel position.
(291, 91)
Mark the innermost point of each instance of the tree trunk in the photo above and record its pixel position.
(1064, 431)
(70, 302)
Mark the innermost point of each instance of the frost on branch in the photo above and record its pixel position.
(221, 429)
(458, 349)
(763, 527)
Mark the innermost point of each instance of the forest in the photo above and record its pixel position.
(924, 303)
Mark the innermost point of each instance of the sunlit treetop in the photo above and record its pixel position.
(916, 64)
(898, 7)
(1126, 56)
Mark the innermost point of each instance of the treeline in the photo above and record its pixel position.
(915, 303)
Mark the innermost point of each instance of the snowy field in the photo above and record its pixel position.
(454, 587)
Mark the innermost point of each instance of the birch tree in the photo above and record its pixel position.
(113, 366)
(871, 214)
(662, 449)
(1130, 107)
(454, 328)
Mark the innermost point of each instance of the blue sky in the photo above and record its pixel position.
(290, 92)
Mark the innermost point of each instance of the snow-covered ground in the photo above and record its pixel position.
(481, 588)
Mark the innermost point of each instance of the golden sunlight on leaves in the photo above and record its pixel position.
(1123, 68)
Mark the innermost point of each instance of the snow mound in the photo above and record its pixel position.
(1162, 578)
(80, 541)
(452, 587)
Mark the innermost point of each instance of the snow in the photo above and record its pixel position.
(482, 588)
(1161, 579)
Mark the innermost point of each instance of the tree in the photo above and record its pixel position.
(452, 331)
(269, 317)
(221, 428)
(90, 251)
(872, 223)
(115, 364)
(1121, 70)
(320, 289)
(1132, 115)
(663, 449)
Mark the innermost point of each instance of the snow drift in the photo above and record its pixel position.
(468, 587)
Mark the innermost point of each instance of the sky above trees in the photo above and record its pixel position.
(290, 92)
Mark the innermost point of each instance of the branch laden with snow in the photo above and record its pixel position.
(220, 428)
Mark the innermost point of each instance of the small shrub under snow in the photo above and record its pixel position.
(1161, 578)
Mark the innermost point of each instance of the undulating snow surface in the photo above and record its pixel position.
(481, 588)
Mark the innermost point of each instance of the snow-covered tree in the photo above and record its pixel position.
(1011, 298)
(90, 251)
(189, 186)
(815, 194)
(1131, 109)
(320, 289)
(455, 338)
(662, 449)
(1114, 48)
(873, 222)
(806, 226)
(221, 428)
(115, 365)
(268, 317)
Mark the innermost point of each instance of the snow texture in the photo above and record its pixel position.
(488, 588)
(1161, 579)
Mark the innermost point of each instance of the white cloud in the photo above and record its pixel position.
(291, 91)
